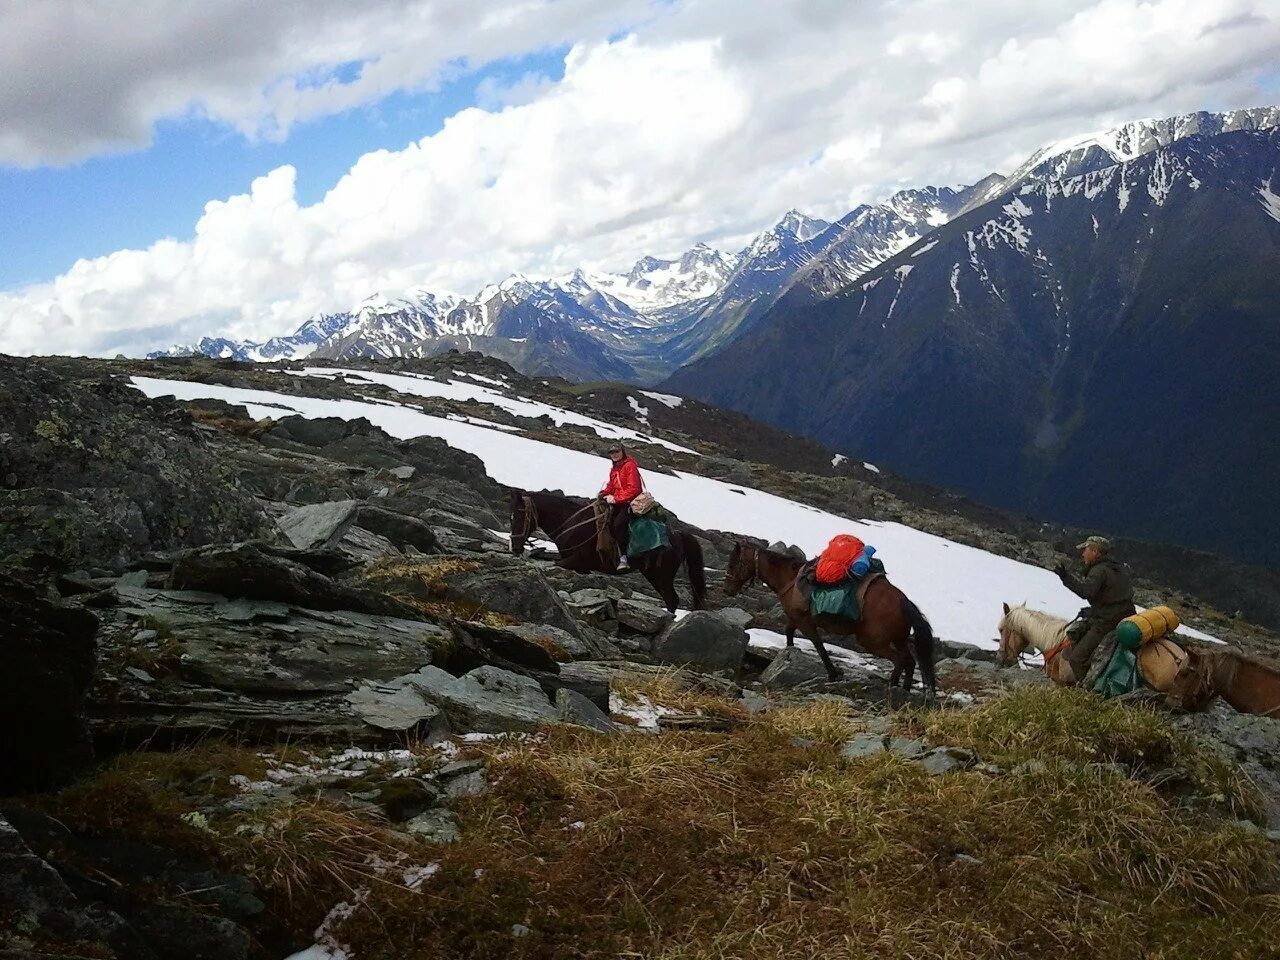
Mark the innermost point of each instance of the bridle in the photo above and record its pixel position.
(530, 516)
(532, 521)
(756, 573)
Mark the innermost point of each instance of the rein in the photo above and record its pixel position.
(533, 521)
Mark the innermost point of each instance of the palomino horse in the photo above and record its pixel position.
(1021, 627)
(891, 626)
(572, 525)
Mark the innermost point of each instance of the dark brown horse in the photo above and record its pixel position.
(571, 524)
(891, 626)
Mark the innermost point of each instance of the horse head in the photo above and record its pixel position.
(524, 520)
(1012, 640)
(742, 568)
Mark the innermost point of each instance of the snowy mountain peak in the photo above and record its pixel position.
(1085, 153)
(799, 225)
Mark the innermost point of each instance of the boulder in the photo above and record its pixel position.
(251, 571)
(398, 706)
(594, 607)
(704, 640)
(401, 530)
(318, 524)
(93, 474)
(318, 432)
(326, 650)
(1250, 742)
(34, 900)
(258, 670)
(435, 826)
(506, 584)
(942, 760)
(176, 907)
(486, 700)
(642, 617)
(563, 645)
(791, 668)
(462, 778)
(48, 662)
(573, 707)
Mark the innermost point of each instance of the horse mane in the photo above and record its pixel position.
(1044, 630)
(774, 554)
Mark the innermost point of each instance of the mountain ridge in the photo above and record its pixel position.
(985, 358)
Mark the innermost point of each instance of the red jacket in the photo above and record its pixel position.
(624, 481)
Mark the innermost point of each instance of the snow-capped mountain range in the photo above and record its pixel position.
(643, 323)
(1098, 344)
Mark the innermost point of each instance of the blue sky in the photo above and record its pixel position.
(52, 215)
(146, 193)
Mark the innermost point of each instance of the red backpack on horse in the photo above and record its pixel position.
(834, 562)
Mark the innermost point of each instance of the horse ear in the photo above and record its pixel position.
(1006, 607)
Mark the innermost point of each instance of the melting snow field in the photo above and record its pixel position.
(517, 406)
(959, 588)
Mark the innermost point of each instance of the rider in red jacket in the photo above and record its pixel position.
(624, 486)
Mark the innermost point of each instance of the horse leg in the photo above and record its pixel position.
(910, 678)
(791, 633)
(665, 585)
(833, 672)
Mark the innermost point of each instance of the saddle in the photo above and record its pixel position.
(606, 546)
(843, 599)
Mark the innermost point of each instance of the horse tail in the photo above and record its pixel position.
(697, 572)
(921, 644)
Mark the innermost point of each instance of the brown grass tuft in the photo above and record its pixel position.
(680, 692)
(746, 845)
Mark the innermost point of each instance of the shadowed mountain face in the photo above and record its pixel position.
(1098, 349)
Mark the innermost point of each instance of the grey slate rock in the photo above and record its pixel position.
(642, 617)
(318, 524)
(399, 706)
(791, 668)
(486, 700)
(573, 707)
(437, 825)
(905, 747)
(863, 745)
(942, 760)
(704, 640)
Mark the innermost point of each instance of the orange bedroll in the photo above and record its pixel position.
(834, 563)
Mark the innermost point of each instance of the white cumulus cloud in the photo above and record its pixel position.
(706, 121)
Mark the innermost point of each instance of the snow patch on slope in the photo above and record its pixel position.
(959, 587)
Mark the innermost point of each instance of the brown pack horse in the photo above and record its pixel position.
(1246, 684)
(572, 525)
(891, 625)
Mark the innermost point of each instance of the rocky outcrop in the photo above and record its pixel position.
(170, 906)
(711, 640)
(255, 572)
(48, 654)
(94, 474)
(793, 667)
(473, 585)
(486, 700)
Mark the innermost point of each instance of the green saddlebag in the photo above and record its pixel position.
(837, 601)
(646, 534)
(1121, 675)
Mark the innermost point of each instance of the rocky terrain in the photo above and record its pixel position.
(275, 683)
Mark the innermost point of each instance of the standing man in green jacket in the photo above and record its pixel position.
(1108, 587)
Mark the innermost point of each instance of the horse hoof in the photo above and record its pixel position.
(834, 676)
